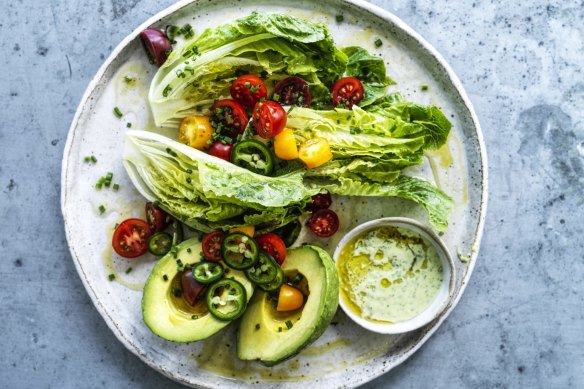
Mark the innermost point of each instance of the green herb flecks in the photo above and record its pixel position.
(118, 113)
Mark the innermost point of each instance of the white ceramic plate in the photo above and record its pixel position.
(346, 355)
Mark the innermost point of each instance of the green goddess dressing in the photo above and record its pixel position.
(389, 274)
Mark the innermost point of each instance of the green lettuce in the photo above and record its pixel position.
(206, 192)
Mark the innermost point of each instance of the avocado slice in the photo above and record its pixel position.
(171, 317)
(263, 332)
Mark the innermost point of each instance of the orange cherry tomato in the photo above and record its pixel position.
(247, 230)
(285, 145)
(195, 131)
(315, 152)
(289, 298)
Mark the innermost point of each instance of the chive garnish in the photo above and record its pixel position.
(128, 270)
(129, 125)
(189, 250)
(257, 326)
(288, 324)
(111, 277)
(93, 159)
(424, 87)
(195, 317)
(339, 18)
(165, 277)
(118, 113)
(378, 42)
(116, 187)
(101, 209)
(279, 329)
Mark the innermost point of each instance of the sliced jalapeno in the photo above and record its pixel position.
(254, 156)
(160, 243)
(289, 233)
(239, 251)
(207, 272)
(264, 271)
(274, 285)
(226, 299)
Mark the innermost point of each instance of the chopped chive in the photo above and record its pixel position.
(378, 42)
(116, 187)
(288, 324)
(189, 180)
(339, 18)
(111, 277)
(87, 159)
(128, 270)
(98, 185)
(189, 250)
(101, 209)
(424, 87)
(257, 326)
(118, 113)
(130, 80)
(195, 317)
(129, 125)
(176, 292)
(279, 329)
(165, 277)
(167, 89)
(93, 159)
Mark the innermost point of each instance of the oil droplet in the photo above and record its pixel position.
(385, 283)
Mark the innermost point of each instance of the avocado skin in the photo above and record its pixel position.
(155, 308)
(329, 302)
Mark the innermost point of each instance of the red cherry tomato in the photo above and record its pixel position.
(156, 44)
(293, 90)
(248, 90)
(320, 201)
(324, 223)
(130, 238)
(220, 150)
(269, 118)
(273, 245)
(228, 117)
(191, 289)
(347, 91)
(155, 217)
(212, 245)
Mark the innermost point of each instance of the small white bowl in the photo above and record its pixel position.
(441, 300)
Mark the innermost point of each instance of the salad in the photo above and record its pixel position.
(272, 118)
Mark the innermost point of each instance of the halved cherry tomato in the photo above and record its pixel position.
(273, 245)
(320, 201)
(248, 90)
(315, 152)
(347, 91)
(324, 223)
(269, 118)
(195, 131)
(247, 230)
(221, 150)
(191, 289)
(285, 145)
(155, 217)
(292, 90)
(212, 246)
(130, 239)
(228, 117)
(289, 298)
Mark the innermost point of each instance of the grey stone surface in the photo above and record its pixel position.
(520, 322)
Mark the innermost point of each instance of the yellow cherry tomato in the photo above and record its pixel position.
(289, 298)
(195, 131)
(247, 230)
(315, 152)
(285, 145)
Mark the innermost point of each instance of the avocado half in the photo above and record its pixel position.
(171, 317)
(263, 332)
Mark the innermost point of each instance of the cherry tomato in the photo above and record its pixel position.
(221, 150)
(130, 238)
(347, 91)
(228, 117)
(269, 118)
(248, 90)
(320, 201)
(212, 245)
(324, 223)
(191, 289)
(315, 152)
(289, 298)
(155, 217)
(195, 131)
(285, 145)
(156, 44)
(273, 245)
(292, 90)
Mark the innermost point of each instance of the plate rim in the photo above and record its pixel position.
(376, 11)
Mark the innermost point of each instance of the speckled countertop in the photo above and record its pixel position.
(520, 322)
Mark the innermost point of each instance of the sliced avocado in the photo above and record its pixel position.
(271, 336)
(171, 317)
